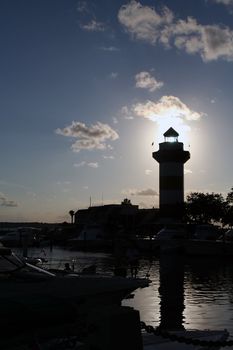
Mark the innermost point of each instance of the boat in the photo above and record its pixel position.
(206, 240)
(43, 308)
(206, 232)
(90, 238)
(34, 300)
(20, 236)
(172, 238)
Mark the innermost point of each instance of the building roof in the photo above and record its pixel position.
(171, 132)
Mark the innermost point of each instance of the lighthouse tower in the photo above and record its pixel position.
(171, 158)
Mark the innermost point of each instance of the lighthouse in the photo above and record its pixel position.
(171, 158)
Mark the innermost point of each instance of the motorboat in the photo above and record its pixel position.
(91, 237)
(172, 238)
(33, 298)
(206, 232)
(204, 241)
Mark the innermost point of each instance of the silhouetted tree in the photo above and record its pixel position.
(229, 198)
(126, 201)
(204, 208)
(228, 217)
(71, 212)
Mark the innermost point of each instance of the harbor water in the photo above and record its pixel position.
(184, 293)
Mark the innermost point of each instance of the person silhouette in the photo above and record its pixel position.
(67, 267)
(132, 255)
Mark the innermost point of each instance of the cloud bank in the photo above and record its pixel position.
(89, 138)
(211, 42)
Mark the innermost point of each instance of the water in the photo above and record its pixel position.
(191, 293)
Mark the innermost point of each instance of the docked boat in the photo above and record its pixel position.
(32, 298)
(90, 238)
(19, 236)
(172, 238)
(207, 241)
(204, 241)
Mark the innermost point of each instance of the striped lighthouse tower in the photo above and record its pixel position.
(171, 158)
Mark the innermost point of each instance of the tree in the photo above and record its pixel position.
(229, 198)
(228, 217)
(72, 213)
(204, 208)
(126, 201)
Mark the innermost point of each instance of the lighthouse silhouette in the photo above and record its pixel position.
(171, 158)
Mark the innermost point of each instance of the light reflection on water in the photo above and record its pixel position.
(199, 292)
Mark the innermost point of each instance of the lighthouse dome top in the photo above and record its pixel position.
(171, 135)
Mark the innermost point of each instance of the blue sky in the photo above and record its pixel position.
(87, 86)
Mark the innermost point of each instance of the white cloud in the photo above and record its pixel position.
(93, 165)
(113, 75)
(93, 26)
(5, 202)
(143, 22)
(143, 192)
(82, 6)
(224, 2)
(148, 171)
(84, 163)
(146, 81)
(109, 48)
(63, 182)
(108, 157)
(89, 138)
(115, 120)
(126, 113)
(211, 42)
(166, 112)
(166, 107)
(78, 165)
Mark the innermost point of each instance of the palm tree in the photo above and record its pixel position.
(71, 212)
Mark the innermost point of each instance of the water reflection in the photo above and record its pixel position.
(171, 292)
(208, 293)
(194, 293)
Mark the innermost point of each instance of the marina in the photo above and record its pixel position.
(180, 295)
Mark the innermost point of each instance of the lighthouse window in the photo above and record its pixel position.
(171, 139)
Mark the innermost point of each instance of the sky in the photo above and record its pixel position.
(87, 89)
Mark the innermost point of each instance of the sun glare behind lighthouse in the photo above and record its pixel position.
(177, 124)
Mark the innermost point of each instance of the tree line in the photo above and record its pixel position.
(207, 208)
